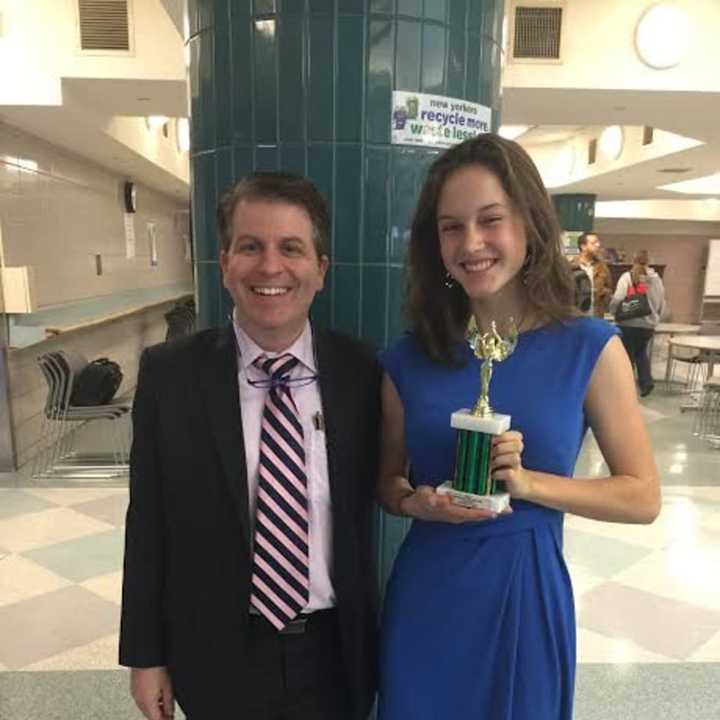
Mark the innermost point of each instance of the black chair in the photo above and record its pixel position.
(61, 420)
(180, 320)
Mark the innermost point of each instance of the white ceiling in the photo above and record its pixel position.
(176, 10)
(79, 125)
(90, 107)
(557, 116)
(125, 97)
(579, 111)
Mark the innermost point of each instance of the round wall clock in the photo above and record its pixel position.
(130, 195)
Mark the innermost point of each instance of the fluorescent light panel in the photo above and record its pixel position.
(512, 132)
(708, 185)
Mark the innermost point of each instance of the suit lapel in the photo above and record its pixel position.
(331, 392)
(222, 406)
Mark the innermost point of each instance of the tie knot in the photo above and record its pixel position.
(277, 368)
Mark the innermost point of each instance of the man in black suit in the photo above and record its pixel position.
(248, 589)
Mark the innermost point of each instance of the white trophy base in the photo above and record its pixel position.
(494, 424)
(495, 503)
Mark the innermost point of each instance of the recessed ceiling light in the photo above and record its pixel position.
(25, 164)
(155, 122)
(511, 132)
(610, 142)
(662, 35)
(265, 27)
(183, 134)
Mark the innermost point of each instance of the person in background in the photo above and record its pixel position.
(478, 620)
(590, 261)
(249, 589)
(638, 333)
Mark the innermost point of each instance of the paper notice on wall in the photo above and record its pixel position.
(152, 243)
(712, 271)
(569, 241)
(436, 120)
(129, 220)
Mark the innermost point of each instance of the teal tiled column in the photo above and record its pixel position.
(306, 86)
(576, 213)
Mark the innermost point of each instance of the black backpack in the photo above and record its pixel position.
(583, 289)
(97, 383)
(180, 320)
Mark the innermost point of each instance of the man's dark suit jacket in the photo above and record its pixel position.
(186, 585)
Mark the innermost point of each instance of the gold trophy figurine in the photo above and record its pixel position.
(489, 347)
(472, 484)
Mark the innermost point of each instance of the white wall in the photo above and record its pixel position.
(598, 50)
(40, 43)
(58, 210)
(89, 102)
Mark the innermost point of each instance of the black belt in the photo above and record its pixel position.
(301, 624)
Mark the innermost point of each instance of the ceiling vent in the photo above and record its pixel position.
(104, 25)
(675, 170)
(537, 30)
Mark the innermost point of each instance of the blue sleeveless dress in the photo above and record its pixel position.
(479, 620)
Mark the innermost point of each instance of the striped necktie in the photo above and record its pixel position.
(280, 573)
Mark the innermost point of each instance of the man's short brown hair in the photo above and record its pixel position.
(584, 237)
(278, 187)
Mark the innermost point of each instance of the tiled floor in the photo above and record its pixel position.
(60, 576)
(648, 597)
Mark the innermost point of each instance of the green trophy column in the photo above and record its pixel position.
(306, 86)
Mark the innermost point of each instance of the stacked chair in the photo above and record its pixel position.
(707, 421)
(180, 320)
(61, 421)
(695, 363)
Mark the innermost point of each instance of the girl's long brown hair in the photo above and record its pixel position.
(640, 266)
(439, 315)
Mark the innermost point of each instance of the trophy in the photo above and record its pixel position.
(472, 484)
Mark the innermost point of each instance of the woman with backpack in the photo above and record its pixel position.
(637, 316)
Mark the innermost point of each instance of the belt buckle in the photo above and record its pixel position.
(295, 627)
